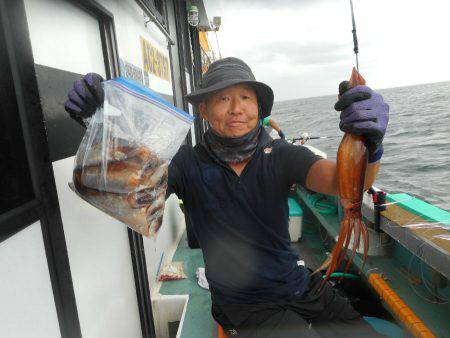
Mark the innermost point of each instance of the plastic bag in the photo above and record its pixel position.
(201, 278)
(172, 271)
(121, 164)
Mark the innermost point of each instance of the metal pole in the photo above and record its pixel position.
(218, 47)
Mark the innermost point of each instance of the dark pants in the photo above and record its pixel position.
(318, 313)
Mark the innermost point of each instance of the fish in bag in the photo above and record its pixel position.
(121, 166)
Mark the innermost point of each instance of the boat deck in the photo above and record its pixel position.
(198, 321)
(312, 248)
(403, 272)
(421, 227)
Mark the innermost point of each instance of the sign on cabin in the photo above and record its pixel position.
(154, 61)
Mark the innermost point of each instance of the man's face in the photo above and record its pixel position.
(231, 112)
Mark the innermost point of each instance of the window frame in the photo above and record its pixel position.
(21, 66)
(44, 207)
(160, 19)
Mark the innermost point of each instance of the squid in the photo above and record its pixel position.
(351, 169)
(129, 184)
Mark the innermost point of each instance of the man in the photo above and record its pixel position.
(271, 124)
(235, 186)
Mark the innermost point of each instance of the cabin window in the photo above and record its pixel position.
(16, 186)
(157, 8)
(160, 7)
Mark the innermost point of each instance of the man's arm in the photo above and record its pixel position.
(274, 125)
(277, 128)
(363, 112)
(322, 177)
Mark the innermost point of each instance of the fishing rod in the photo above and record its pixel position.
(305, 137)
(355, 37)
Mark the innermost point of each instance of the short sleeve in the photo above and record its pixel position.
(266, 121)
(295, 162)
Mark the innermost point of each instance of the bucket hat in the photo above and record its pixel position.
(227, 72)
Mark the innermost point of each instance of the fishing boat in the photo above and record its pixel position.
(68, 270)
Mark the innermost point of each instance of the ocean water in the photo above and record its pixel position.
(416, 159)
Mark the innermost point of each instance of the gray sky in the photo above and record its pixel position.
(304, 48)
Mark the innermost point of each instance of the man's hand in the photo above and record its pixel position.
(85, 97)
(363, 112)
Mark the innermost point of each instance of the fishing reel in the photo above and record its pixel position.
(303, 138)
(379, 203)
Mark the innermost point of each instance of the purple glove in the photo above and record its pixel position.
(85, 97)
(363, 112)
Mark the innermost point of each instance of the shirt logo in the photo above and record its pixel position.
(267, 150)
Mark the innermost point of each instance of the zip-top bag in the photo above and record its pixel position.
(122, 162)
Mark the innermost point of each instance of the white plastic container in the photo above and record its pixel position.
(295, 220)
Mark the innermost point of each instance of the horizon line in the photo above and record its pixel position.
(316, 96)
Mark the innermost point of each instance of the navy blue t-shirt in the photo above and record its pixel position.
(241, 222)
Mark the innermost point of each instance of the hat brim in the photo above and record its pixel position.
(263, 91)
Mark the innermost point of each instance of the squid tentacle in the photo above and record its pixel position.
(356, 241)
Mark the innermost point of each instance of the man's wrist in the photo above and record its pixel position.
(376, 155)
